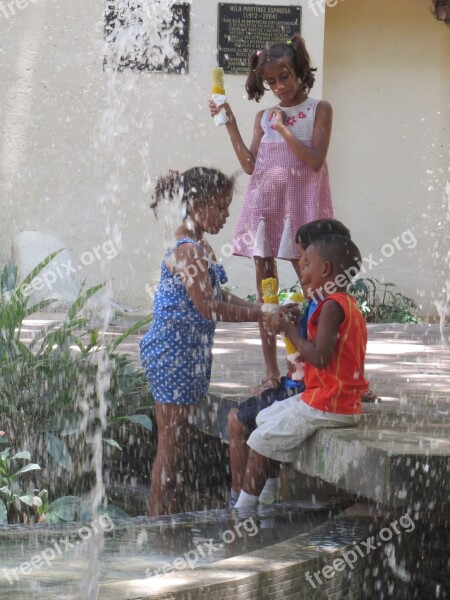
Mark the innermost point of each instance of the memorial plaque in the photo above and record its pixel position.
(244, 28)
(131, 46)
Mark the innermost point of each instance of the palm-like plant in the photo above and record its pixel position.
(49, 393)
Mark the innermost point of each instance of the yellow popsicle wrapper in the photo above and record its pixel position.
(218, 86)
(270, 290)
(297, 297)
(290, 348)
(270, 296)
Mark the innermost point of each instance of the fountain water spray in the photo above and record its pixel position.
(137, 34)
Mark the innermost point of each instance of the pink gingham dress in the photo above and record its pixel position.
(283, 192)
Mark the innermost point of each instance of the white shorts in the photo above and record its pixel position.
(286, 424)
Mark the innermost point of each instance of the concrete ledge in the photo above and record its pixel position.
(389, 458)
(274, 573)
(393, 467)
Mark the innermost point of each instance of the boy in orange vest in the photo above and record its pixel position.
(334, 361)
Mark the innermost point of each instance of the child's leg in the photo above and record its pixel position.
(259, 469)
(167, 487)
(266, 267)
(237, 436)
(241, 422)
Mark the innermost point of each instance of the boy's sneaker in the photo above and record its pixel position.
(267, 499)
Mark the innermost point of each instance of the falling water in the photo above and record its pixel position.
(99, 417)
(141, 39)
(443, 304)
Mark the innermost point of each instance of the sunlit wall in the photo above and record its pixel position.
(80, 148)
(387, 75)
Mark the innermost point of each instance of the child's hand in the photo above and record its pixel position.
(272, 322)
(291, 312)
(215, 110)
(277, 118)
(290, 366)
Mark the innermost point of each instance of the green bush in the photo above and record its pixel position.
(379, 303)
(59, 389)
(13, 498)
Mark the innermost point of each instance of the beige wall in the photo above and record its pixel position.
(80, 151)
(387, 75)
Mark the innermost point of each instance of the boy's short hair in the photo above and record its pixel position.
(311, 231)
(340, 251)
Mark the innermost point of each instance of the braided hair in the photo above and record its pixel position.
(297, 56)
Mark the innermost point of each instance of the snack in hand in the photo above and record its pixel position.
(270, 290)
(270, 296)
(298, 298)
(218, 95)
(218, 87)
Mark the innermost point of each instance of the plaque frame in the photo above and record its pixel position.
(181, 14)
(237, 63)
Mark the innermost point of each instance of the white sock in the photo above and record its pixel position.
(246, 500)
(269, 492)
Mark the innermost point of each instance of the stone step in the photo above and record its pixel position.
(399, 454)
(388, 459)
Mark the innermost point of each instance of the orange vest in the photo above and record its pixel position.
(338, 387)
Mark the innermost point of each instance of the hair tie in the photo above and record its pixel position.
(258, 53)
(289, 42)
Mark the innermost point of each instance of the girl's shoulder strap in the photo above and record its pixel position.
(184, 241)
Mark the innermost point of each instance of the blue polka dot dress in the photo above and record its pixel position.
(176, 352)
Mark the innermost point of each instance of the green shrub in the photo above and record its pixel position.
(57, 390)
(379, 303)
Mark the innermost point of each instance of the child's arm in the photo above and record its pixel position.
(233, 299)
(192, 270)
(319, 353)
(315, 156)
(246, 156)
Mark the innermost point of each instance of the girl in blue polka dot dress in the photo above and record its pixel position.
(176, 352)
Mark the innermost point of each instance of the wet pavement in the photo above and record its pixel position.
(408, 366)
(53, 561)
(399, 452)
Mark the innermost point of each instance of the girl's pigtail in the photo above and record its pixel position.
(166, 188)
(254, 84)
(304, 69)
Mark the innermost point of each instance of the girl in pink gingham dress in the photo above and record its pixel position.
(289, 183)
(284, 192)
